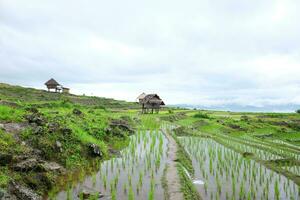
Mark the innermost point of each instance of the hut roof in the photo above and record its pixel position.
(141, 96)
(52, 82)
(152, 98)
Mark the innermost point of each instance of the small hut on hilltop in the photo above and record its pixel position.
(66, 90)
(150, 102)
(54, 85)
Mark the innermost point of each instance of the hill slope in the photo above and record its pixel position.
(44, 135)
(21, 95)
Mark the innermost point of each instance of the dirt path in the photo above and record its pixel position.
(172, 177)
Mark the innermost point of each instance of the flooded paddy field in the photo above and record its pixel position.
(262, 149)
(135, 174)
(225, 174)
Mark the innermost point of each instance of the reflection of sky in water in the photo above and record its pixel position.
(137, 161)
(218, 170)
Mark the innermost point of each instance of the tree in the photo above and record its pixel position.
(298, 111)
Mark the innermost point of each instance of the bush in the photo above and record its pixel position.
(170, 111)
(298, 111)
(201, 115)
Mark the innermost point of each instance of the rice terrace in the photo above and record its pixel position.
(63, 146)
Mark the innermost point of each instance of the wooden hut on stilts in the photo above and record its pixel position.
(150, 103)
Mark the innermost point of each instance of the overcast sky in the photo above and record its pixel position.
(207, 52)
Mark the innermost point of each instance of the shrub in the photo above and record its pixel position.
(201, 115)
(4, 178)
(298, 111)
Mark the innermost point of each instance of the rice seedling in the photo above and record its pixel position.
(229, 175)
(130, 194)
(140, 165)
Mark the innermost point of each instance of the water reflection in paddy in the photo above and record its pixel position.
(135, 174)
(228, 175)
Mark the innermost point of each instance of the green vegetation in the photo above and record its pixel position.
(4, 177)
(185, 166)
(57, 128)
(111, 146)
(188, 189)
(216, 164)
(184, 159)
(137, 171)
(22, 96)
(201, 115)
(10, 114)
(264, 145)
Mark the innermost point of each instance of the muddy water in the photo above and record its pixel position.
(136, 173)
(228, 175)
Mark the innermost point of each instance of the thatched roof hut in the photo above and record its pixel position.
(141, 97)
(151, 102)
(52, 84)
(152, 99)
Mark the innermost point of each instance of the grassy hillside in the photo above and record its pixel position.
(38, 128)
(41, 98)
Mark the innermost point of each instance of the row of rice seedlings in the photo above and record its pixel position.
(141, 162)
(293, 169)
(228, 175)
(276, 146)
(266, 150)
(247, 147)
(287, 144)
(278, 143)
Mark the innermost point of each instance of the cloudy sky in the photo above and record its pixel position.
(207, 52)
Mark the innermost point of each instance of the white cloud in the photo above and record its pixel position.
(203, 52)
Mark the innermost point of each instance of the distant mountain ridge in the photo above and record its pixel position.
(244, 108)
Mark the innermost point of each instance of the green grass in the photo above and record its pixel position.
(9, 145)
(150, 122)
(84, 137)
(73, 132)
(188, 189)
(10, 114)
(183, 158)
(184, 162)
(187, 121)
(43, 98)
(201, 115)
(4, 177)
